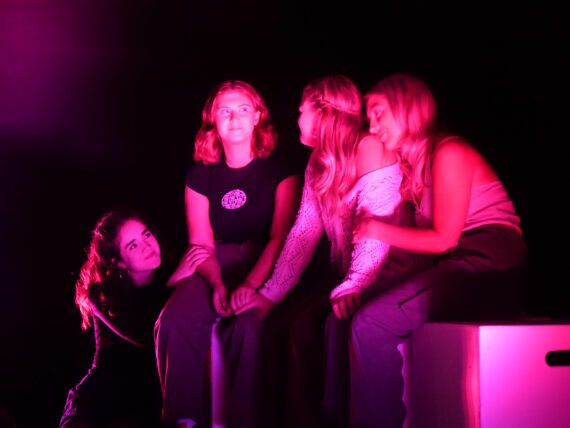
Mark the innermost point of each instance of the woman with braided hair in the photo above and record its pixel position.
(348, 171)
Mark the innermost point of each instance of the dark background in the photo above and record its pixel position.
(100, 101)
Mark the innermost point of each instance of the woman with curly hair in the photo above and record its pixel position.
(119, 294)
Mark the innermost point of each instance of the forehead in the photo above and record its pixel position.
(132, 229)
(230, 97)
(376, 100)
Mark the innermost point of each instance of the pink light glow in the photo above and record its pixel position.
(518, 388)
(488, 376)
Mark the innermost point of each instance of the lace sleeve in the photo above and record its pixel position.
(298, 250)
(379, 193)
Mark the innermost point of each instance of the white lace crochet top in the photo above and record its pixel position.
(360, 264)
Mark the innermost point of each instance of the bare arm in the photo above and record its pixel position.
(287, 198)
(200, 233)
(452, 175)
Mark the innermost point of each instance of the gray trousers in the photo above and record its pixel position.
(183, 339)
(478, 280)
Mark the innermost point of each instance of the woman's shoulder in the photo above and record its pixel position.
(372, 155)
(452, 144)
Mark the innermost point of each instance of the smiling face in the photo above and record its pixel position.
(307, 122)
(382, 122)
(235, 117)
(138, 249)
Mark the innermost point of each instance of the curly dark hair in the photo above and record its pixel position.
(102, 256)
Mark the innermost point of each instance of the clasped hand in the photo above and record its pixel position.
(346, 305)
(242, 299)
(191, 259)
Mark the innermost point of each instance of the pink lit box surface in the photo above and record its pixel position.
(487, 376)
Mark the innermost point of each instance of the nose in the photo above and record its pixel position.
(146, 246)
(233, 115)
(374, 126)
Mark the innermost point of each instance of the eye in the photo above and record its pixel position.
(244, 109)
(147, 234)
(132, 246)
(376, 113)
(223, 112)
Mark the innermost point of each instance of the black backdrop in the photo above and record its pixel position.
(100, 101)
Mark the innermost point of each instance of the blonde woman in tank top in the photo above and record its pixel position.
(464, 217)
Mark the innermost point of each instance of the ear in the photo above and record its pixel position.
(257, 116)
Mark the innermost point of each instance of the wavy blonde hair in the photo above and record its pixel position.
(338, 103)
(414, 109)
(208, 146)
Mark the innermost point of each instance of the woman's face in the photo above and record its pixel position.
(138, 248)
(235, 117)
(382, 122)
(307, 122)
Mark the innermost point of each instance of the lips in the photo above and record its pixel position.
(151, 256)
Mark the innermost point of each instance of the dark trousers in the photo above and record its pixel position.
(183, 339)
(479, 279)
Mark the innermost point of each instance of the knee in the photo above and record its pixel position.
(186, 312)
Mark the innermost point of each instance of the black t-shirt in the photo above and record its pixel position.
(241, 200)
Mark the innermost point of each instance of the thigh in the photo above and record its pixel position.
(190, 302)
(401, 304)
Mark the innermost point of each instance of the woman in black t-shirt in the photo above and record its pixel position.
(241, 199)
(119, 294)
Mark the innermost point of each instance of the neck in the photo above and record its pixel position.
(237, 155)
(142, 278)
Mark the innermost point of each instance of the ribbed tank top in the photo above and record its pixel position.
(489, 204)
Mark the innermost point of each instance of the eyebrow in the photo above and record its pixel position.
(239, 105)
(133, 240)
(127, 245)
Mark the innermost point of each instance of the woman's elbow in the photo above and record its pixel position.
(445, 244)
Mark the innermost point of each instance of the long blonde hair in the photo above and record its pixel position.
(208, 146)
(332, 166)
(414, 109)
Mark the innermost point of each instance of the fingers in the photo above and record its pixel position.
(247, 306)
(220, 302)
(336, 310)
(236, 301)
(240, 297)
(345, 306)
(256, 301)
(350, 305)
(196, 255)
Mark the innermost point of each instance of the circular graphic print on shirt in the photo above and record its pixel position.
(234, 199)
